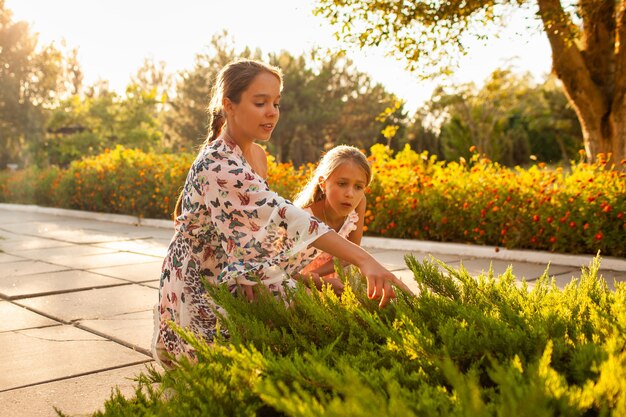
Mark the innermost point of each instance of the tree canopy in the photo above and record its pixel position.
(587, 55)
(28, 86)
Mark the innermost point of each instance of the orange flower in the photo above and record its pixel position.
(599, 236)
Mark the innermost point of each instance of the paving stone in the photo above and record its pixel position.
(14, 269)
(14, 216)
(21, 318)
(58, 230)
(154, 247)
(610, 277)
(520, 269)
(407, 276)
(132, 329)
(78, 396)
(40, 227)
(4, 258)
(46, 283)
(5, 234)
(374, 250)
(394, 260)
(103, 260)
(136, 273)
(29, 242)
(45, 354)
(152, 284)
(85, 237)
(159, 233)
(51, 254)
(94, 304)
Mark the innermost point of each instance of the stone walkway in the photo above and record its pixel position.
(76, 297)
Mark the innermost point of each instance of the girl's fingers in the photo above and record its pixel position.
(388, 294)
(249, 292)
(377, 288)
(371, 288)
(398, 283)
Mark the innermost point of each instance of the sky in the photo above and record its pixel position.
(114, 37)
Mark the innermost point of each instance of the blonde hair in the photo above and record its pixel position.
(312, 192)
(231, 82)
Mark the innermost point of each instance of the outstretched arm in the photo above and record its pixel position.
(379, 279)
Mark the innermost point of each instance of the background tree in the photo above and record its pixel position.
(326, 102)
(28, 82)
(422, 136)
(484, 118)
(86, 125)
(186, 120)
(587, 55)
(510, 119)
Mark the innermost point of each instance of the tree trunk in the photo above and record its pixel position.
(618, 141)
(603, 129)
(591, 64)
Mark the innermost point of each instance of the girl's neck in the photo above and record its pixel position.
(328, 215)
(244, 144)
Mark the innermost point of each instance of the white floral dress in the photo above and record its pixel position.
(232, 228)
(320, 258)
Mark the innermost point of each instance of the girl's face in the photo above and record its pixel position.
(256, 114)
(345, 187)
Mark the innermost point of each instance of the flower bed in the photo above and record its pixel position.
(479, 201)
(579, 210)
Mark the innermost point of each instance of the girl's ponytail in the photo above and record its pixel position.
(216, 123)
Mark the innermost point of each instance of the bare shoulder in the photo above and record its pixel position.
(259, 163)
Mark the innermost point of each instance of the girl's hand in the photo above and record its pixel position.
(310, 277)
(336, 284)
(248, 292)
(380, 281)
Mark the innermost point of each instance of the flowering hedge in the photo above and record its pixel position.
(121, 180)
(580, 210)
(412, 195)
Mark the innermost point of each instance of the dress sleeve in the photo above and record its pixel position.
(262, 233)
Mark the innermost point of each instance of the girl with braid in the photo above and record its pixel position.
(229, 226)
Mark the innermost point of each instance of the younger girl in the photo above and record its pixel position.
(336, 195)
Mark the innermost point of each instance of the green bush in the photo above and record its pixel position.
(462, 347)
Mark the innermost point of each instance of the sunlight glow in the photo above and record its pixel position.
(114, 36)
